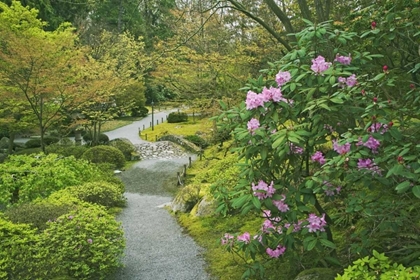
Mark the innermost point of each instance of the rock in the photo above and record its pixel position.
(317, 274)
(4, 143)
(206, 207)
(161, 149)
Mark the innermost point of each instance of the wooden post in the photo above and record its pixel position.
(179, 179)
(146, 137)
(185, 170)
(157, 122)
(189, 159)
(155, 138)
(162, 119)
(150, 124)
(143, 127)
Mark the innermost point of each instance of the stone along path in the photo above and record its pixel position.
(157, 248)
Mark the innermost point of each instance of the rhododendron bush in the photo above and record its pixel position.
(324, 146)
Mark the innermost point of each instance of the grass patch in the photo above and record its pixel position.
(191, 127)
(117, 123)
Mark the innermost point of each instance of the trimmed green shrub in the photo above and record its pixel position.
(33, 143)
(20, 255)
(197, 140)
(48, 140)
(103, 139)
(65, 150)
(85, 244)
(37, 214)
(176, 117)
(27, 177)
(29, 151)
(102, 193)
(126, 148)
(105, 154)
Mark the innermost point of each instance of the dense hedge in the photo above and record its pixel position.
(125, 147)
(176, 117)
(105, 154)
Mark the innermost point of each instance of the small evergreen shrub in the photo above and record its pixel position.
(33, 143)
(197, 140)
(48, 140)
(102, 193)
(105, 154)
(126, 148)
(64, 150)
(176, 117)
(378, 267)
(103, 139)
(20, 255)
(85, 244)
(36, 214)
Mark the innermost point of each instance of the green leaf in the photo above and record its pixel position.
(402, 187)
(256, 202)
(337, 100)
(327, 243)
(312, 244)
(416, 191)
(379, 76)
(278, 142)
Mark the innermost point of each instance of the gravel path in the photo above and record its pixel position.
(156, 246)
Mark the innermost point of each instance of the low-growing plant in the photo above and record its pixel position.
(66, 150)
(177, 117)
(86, 243)
(378, 267)
(105, 154)
(126, 148)
(197, 140)
(27, 177)
(103, 139)
(100, 192)
(37, 214)
(20, 255)
(33, 143)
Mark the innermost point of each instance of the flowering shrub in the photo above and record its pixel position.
(323, 147)
(85, 244)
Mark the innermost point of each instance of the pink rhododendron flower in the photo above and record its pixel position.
(276, 94)
(341, 149)
(372, 144)
(246, 237)
(253, 100)
(283, 207)
(266, 94)
(351, 81)
(253, 124)
(263, 190)
(295, 149)
(319, 65)
(276, 252)
(346, 60)
(368, 164)
(90, 241)
(319, 157)
(378, 128)
(316, 223)
(283, 77)
(267, 226)
(227, 239)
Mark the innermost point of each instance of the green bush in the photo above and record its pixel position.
(37, 214)
(20, 255)
(27, 177)
(197, 140)
(176, 117)
(65, 150)
(33, 143)
(103, 139)
(126, 148)
(85, 244)
(48, 140)
(105, 154)
(378, 267)
(102, 193)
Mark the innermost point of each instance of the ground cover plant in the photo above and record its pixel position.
(57, 219)
(328, 152)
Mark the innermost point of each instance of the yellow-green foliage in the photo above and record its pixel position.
(186, 128)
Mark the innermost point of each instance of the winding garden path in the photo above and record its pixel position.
(157, 248)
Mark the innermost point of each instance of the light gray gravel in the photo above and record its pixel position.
(157, 248)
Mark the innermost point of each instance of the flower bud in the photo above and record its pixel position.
(375, 99)
(385, 68)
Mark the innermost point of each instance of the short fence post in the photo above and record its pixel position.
(189, 159)
(150, 124)
(155, 137)
(146, 137)
(143, 126)
(157, 122)
(162, 119)
(179, 183)
(185, 170)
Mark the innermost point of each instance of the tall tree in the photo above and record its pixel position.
(39, 66)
